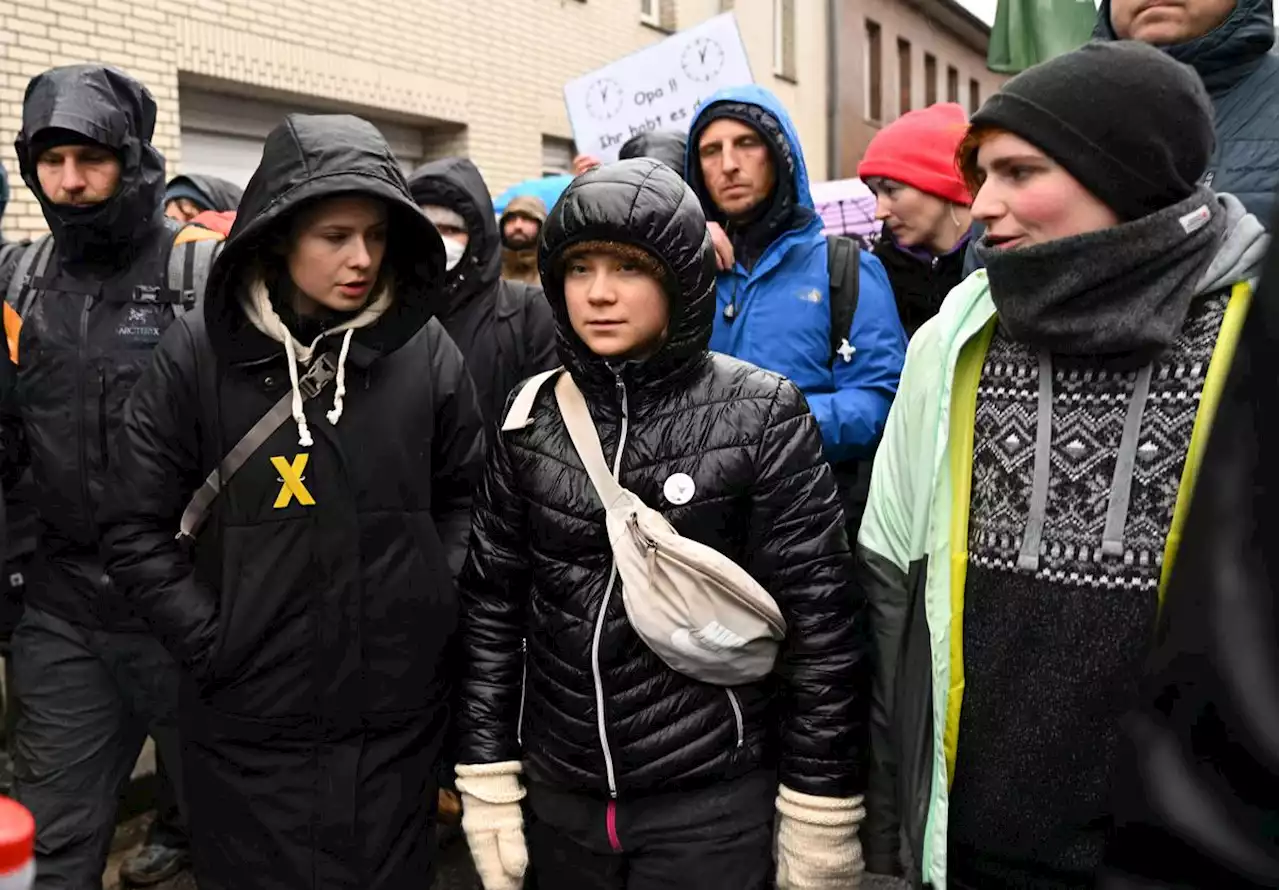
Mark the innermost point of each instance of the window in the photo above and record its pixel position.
(975, 96)
(904, 76)
(875, 65)
(784, 39)
(651, 12)
(953, 84)
(930, 79)
(557, 155)
(726, 5)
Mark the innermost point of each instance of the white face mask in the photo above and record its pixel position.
(453, 253)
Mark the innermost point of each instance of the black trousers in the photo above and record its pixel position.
(86, 702)
(719, 836)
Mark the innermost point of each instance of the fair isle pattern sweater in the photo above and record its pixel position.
(1052, 656)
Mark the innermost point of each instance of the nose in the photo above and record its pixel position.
(361, 258)
(987, 205)
(72, 176)
(882, 207)
(729, 160)
(601, 289)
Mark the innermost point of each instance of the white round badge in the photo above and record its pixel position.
(678, 488)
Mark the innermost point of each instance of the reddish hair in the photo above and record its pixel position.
(967, 154)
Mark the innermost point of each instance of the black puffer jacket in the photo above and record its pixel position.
(539, 563)
(316, 606)
(504, 328)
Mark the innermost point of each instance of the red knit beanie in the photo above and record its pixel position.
(919, 150)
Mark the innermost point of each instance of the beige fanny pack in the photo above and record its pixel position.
(698, 610)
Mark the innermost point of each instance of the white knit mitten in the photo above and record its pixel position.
(493, 822)
(817, 844)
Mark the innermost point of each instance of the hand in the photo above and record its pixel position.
(724, 247)
(494, 823)
(583, 163)
(817, 844)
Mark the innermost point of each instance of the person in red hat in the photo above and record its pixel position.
(923, 203)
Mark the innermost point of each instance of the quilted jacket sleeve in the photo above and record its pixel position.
(157, 469)
(494, 591)
(802, 557)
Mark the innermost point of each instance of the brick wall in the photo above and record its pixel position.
(483, 78)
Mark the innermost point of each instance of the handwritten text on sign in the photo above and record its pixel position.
(657, 88)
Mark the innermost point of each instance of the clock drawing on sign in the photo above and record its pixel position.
(702, 59)
(604, 99)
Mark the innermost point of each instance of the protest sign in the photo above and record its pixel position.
(656, 88)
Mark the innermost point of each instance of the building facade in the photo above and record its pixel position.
(898, 55)
(481, 78)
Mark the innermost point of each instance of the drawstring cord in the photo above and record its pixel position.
(341, 389)
(299, 417)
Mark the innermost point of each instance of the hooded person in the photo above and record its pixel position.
(667, 146)
(310, 600)
(504, 328)
(774, 305)
(922, 202)
(85, 307)
(1028, 499)
(520, 225)
(205, 200)
(637, 775)
(1231, 45)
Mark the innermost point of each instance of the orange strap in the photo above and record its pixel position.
(12, 327)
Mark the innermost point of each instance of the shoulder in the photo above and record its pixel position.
(772, 396)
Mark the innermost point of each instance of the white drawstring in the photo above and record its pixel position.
(299, 417)
(341, 389)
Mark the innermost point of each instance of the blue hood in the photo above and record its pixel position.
(1226, 54)
(761, 98)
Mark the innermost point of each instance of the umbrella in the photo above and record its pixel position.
(548, 188)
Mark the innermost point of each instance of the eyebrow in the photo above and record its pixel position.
(1010, 160)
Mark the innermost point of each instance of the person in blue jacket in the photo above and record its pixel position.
(746, 164)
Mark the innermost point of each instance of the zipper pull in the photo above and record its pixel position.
(621, 387)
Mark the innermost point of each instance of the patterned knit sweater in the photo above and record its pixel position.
(1052, 656)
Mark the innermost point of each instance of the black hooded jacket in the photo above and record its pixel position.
(667, 146)
(919, 285)
(219, 194)
(314, 609)
(1237, 62)
(539, 564)
(504, 328)
(89, 328)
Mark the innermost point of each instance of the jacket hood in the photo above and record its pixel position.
(764, 100)
(219, 194)
(307, 158)
(644, 203)
(1226, 54)
(457, 184)
(109, 107)
(668, 146)
(1241, 252)
(529, 205)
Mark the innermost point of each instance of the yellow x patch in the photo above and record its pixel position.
(291, 477)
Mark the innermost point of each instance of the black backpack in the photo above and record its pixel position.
(842, 267)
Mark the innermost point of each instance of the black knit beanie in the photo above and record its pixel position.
(1131, 124)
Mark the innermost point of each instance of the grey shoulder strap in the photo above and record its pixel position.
(33, 263)
(315, 379)
(188, 271)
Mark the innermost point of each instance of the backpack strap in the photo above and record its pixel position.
(316, 378)
(188, 268)
(842, 268)
(32, 266)
(518, 415)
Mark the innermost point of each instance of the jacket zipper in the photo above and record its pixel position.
(737, 715)
(102, 416)
(82, 405)
(604, 609)
(524, 680)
